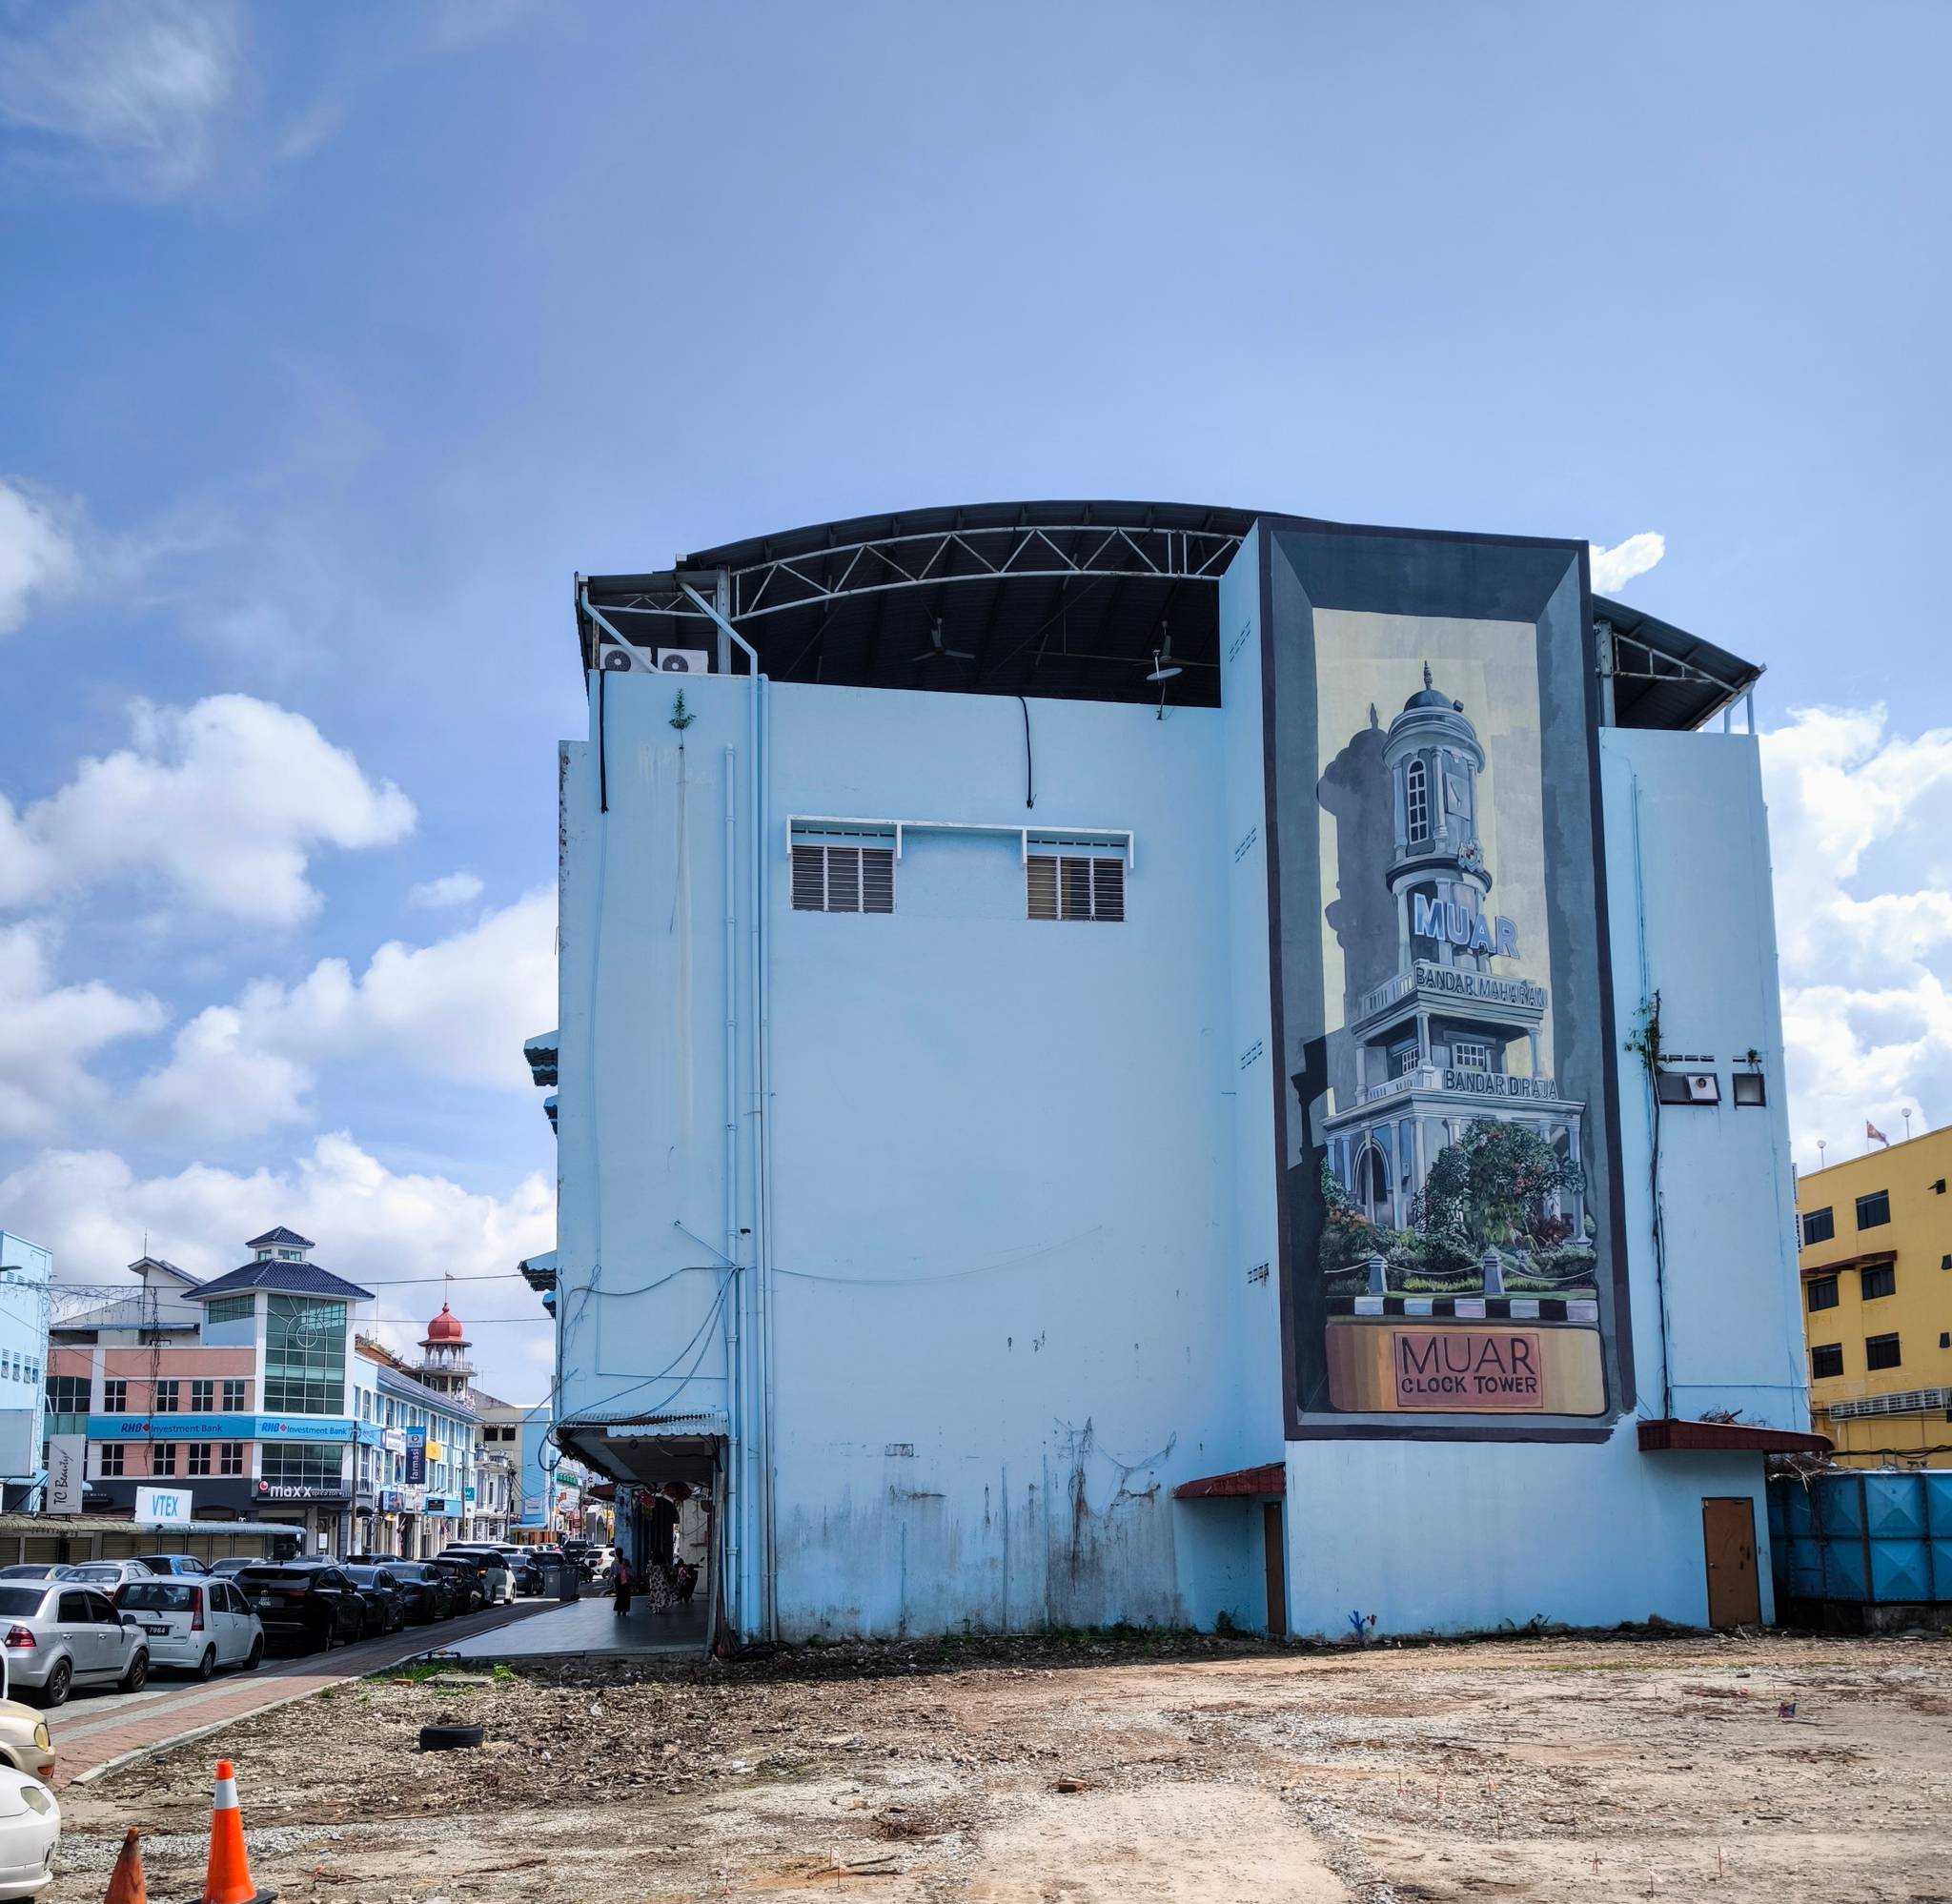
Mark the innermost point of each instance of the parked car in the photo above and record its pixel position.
(467, 1587)
(195, 1625)
(379, 1593)
(528, 1576)
(108, 1575)
(25, 1743)
(426, 1592)
(497, 1577)
(173, 1563)
(60, 1634)
(309, 1603)
(36, 1569)
(233, 1565)
(29, 1830)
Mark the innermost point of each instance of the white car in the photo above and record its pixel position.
(29, 1830)
(195, 1625)
(107, 1575)
(498, 1576)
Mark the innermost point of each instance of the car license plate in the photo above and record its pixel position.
(160, 1633)
(273, 1600)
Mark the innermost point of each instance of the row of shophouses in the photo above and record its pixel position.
(265, 1394)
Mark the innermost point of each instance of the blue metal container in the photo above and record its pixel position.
(1867, 1539)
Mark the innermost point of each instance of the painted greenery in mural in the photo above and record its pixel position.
(1499, 1190)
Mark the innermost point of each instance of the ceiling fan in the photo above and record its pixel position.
(936, 652)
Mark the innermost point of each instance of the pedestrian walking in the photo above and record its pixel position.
(621, 1584)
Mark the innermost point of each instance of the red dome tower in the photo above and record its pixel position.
(444, 1363)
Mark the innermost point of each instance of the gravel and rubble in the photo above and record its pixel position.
(1082, 1767)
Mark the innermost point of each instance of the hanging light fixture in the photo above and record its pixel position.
(1164, 666)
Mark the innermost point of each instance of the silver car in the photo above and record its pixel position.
(61, 1634)
(107, 1575)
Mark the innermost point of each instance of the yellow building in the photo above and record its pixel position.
(1875, 1237)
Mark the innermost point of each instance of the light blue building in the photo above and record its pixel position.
(26, 1273)
(1111, 1061)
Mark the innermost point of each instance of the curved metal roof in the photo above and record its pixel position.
(1061, 599)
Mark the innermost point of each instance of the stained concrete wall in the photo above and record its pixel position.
(1019, 1186)
(1006, 1296)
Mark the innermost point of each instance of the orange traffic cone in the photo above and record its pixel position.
(127, 1884)
(226, 1879)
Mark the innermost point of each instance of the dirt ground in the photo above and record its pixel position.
(1062, 1770)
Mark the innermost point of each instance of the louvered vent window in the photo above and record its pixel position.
(844, 879)
(1067, 888)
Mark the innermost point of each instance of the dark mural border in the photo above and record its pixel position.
(1306, 564)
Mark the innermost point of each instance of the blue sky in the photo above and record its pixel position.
(335, 340)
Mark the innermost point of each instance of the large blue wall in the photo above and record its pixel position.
(1007, 1295)
(1022, 1175)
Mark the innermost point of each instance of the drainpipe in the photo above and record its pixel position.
(731, 1548)
(756, 937)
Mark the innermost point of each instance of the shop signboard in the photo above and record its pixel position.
(389, 1500)
(1443, 1036)
(417, 1457)
(413, 1500)
(163, 1507)
(393, 1440)
(67, 1471)
(299, 1490)
(221, 1427)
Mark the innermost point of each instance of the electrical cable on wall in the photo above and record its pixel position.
(1029, 771)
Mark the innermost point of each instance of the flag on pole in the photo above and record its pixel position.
(1871, 1131)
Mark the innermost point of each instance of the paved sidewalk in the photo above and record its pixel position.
(88, 1732)
(591, 1627)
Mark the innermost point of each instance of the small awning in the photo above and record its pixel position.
(1868, 1259)
(1270, 1479)
(1665, 1437)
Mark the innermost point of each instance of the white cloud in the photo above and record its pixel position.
(37, 551)
(49, 1032)
(219, 805)
(450, 889)
(373, 1226)
(1867, 970)
(458, 1010)
(1614, 568)
(143, 87)
(162, 99)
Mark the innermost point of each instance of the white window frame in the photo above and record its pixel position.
(826, 848)
(1416, 799)
(1478, 1048)
(1060, 864)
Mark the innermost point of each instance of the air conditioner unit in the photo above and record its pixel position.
(624, 658)
(684, 661)
(1687, 1087)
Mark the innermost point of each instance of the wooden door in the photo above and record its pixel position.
(1277, 1570)
(1728, 1535)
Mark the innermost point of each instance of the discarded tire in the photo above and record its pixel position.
(449, 1738)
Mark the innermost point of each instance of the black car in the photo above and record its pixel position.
(426, 1592)
(385, 1612)
(305, 1603)
(528, 1574)
(463, 1578)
